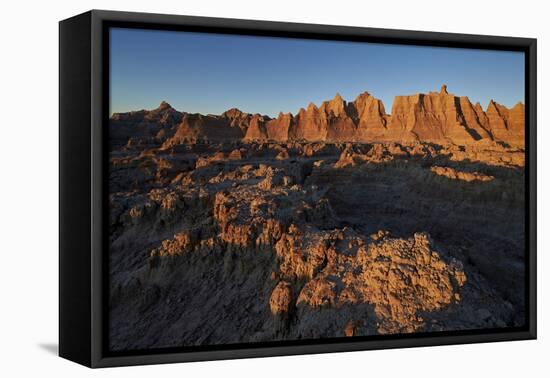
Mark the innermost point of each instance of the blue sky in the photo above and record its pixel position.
(210, 73)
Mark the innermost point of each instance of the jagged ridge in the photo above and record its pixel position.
(435, 117)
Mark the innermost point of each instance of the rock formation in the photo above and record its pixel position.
(339, 221)
(458, 175)
(506, 125)
(195, 127)
(143, 126)
(435, 117)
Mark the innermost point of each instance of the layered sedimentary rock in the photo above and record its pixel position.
(237, 118)
(312, 124)
(257, 128)
(435, 117)
(341, 124)
(143, 126)
(278, 129)
(334, 121)
(195, 127)
(506, 125)
(372, 118)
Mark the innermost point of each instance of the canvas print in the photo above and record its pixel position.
(269, 189)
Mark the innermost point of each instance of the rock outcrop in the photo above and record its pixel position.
(237, 118)
(243, 241)
(372, 118)
(339, 221)
(143, 127)
(458, 175)
(435, 117)
(197, 127)
(399, 277)
(257, 128)
(506, 125)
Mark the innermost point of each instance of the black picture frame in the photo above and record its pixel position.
(83, 113)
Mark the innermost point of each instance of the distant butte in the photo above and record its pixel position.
(435, 117)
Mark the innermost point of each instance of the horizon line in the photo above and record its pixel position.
(484, 108)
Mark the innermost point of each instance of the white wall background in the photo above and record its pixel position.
(29, 186)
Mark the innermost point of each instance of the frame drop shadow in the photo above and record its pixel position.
(51, 348)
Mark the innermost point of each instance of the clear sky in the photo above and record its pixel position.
(210, 73)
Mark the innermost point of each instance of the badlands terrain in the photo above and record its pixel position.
(341, 220)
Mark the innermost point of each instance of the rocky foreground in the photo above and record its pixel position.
(248, 239)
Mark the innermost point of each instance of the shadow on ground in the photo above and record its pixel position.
(52, 348)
